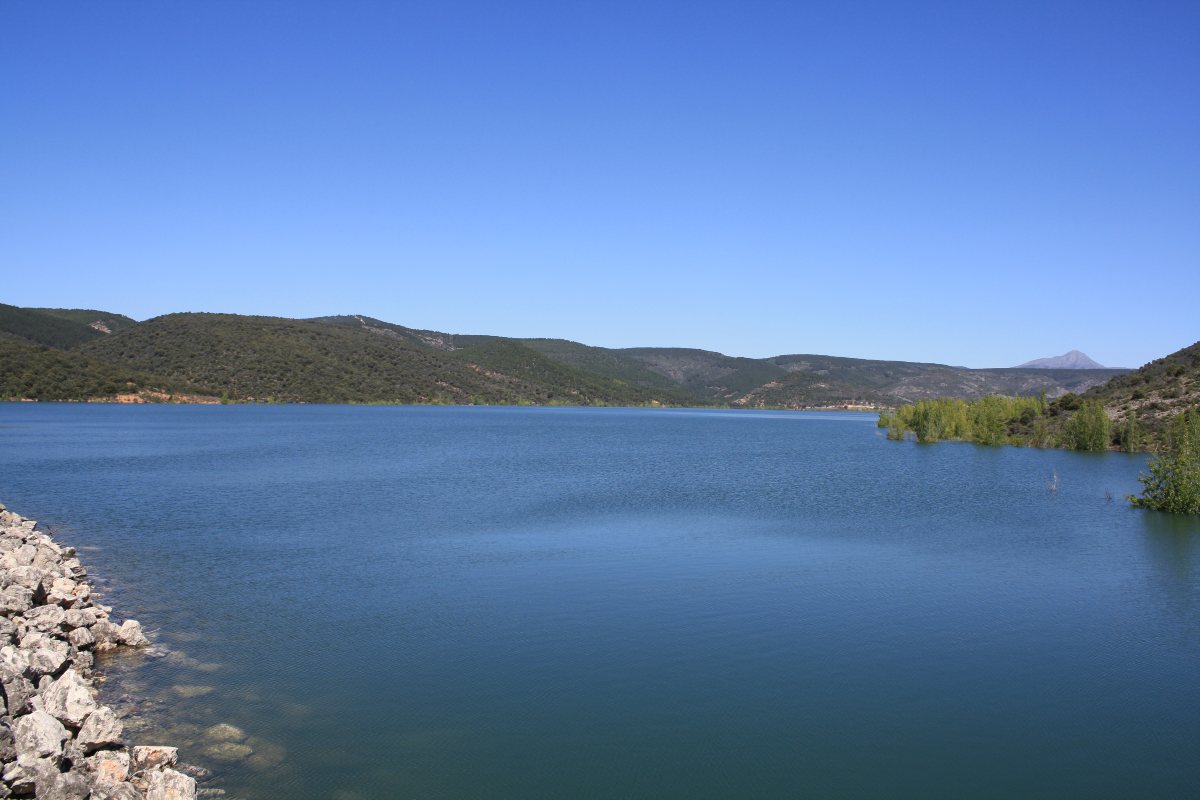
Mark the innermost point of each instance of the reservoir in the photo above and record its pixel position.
(450, 602)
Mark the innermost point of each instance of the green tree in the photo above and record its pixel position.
(1172, 482)
(1088, 428)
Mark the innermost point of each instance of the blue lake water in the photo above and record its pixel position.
(398, 602)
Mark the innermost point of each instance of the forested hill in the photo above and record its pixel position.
(1152, 394)
(353, 358)
(284, 360)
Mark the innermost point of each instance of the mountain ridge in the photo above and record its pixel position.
(1072, 359)
(359, 359)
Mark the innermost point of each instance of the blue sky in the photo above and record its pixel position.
(962, 182)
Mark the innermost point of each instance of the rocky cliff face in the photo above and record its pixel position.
(56, 741)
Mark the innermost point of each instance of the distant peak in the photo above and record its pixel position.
(1073, 360)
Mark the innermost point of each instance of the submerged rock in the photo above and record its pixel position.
(224, 732)
(228, 752)
(168, 784)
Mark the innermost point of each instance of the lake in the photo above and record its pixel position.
(406, 602)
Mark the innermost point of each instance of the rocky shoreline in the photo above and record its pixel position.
(56, 741)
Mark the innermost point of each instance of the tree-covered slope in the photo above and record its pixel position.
(1154, 394)
(35, 372)
(618, 365)
(543, 380)
(39, 328)
(815, 380)
(432, 340)
(713, 376)
(97, 320)
(269, 358)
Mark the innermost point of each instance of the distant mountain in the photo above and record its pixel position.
(354, 358)
(1072, 360)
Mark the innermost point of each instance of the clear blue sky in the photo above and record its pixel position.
(963, 182)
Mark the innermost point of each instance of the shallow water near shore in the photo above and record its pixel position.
(614, 603)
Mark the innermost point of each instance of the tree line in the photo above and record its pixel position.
(1172, 482)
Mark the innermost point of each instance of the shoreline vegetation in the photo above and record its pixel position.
(1154, 409)
(1172, 483)
(56, 740)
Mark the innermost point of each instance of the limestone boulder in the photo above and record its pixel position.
(80, 617)
(63, 786)
(109, 766)
(39, 735)
(16, 599)
(69, 699)
(101, 729)
(116, 791)
(131, 634)
(145, 757)
(81, 638)
(24, 774)
(14, 661)
(62, 592)
(107, 635)
(47, 619)
(47, 656)
(18, 692)
(168, 784)
(8, 745)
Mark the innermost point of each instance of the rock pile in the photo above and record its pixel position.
(56, 741)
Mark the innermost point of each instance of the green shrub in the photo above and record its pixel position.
(1172, 483)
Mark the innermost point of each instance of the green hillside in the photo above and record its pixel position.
(90, 317)
(45, 329)
(714, 376)
(545, 381)
(814, 380)
(1154, 394)
(355, 358)
(269, 358)
(36, 372)
(618, 365)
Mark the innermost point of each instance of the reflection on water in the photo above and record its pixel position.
(1172, 544)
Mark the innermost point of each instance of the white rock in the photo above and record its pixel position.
(14, 660)
(39, 735)
(131, 633)
(82, 638)
(109, 766)
(80, 618)
(48, 657)
(62, 592)
(69, 698)
(100, 729)
(170, 785)
(152, 756)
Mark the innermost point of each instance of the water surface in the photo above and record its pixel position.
(606, 603)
